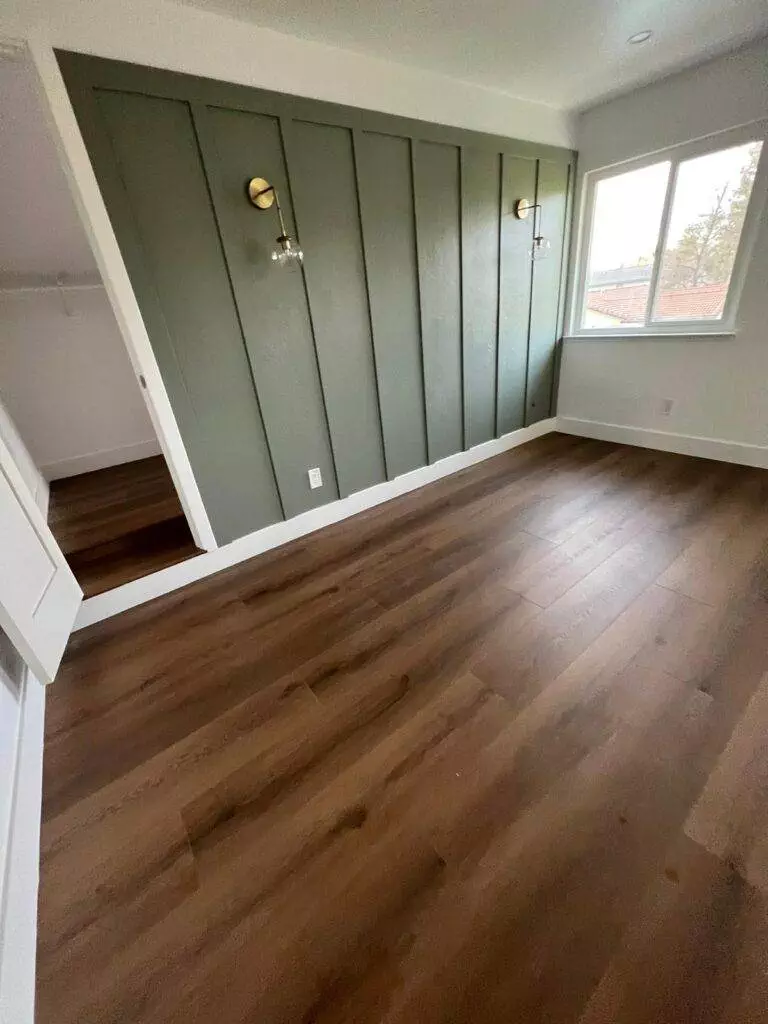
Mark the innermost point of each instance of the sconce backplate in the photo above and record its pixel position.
(263, 200)
(522, 208)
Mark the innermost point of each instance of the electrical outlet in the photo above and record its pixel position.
(665, 406)
(315, 477)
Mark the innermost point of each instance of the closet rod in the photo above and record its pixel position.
(15, 289)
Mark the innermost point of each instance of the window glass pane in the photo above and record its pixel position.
(708, 208)
(625, 234)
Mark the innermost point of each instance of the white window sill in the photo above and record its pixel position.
(661, 335)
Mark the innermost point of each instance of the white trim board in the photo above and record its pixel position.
(18, 914)
(21, 876)
(683, 444)
(63, 468)
(103, 606)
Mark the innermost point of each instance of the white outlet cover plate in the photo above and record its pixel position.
(315, 478)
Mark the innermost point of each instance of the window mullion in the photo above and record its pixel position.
(583, 268)
(666, 214)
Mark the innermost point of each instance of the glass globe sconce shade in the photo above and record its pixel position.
(540, 246)
(287, 252)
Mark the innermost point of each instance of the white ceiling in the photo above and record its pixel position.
(565, 53)
(40, 232)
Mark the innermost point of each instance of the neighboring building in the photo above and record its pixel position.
(612, 306)
(620, 276)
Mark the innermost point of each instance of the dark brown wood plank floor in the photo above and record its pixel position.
(496, 751)
(119, 524)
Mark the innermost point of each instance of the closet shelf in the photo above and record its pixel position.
(11, 284)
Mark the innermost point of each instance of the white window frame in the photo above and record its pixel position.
(724, 325)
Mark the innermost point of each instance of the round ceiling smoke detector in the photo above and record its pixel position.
(640, 37)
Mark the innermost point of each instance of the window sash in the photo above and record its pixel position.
(755, 132)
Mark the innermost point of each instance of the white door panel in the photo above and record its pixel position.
(39, 596)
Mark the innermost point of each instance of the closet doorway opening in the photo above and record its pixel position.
(71, 407)
(120, 523)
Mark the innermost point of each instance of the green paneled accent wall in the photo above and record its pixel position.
(175, 259)
(385, 179)
(417, 327)
(480, 218)
(437, 188)
(272, 304)
(546, 307)
(518, 181)
(324, 188)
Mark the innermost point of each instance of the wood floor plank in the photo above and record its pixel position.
(599, 532)
(730, 818)
(119, 524)
(723, 551)
(93, 508)
(695, 951)
(515, 932)
(493, 751)
(533, 656)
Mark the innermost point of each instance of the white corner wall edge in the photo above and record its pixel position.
(18, 914)
(63, 468)
(682, 444)
(103, 606)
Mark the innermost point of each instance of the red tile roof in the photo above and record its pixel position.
(627, 303)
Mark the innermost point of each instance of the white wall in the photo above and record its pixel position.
(173, 36)
(67, 382)
(41, 230)
(719, 386)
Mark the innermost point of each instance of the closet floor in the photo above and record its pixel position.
(492, 753)
(119, 524)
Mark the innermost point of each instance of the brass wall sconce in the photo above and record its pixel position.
(541, 246)
(263, 196)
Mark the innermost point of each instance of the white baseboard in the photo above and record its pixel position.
(100, 460)
(18, 912)
(103, 606)
(683, 444)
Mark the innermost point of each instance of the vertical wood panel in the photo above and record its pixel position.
(552, 193)
(173, 251)
(272, 301)
(518, 182)
(480, 186)
(438, 210)
(322, 169)
(386, 203)
(566, 248)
